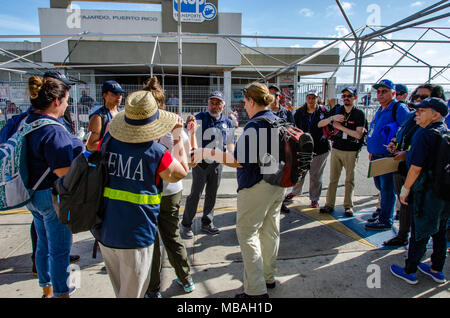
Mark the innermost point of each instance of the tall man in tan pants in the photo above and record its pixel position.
(349, 122)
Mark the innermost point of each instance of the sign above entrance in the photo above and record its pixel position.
(194, 10)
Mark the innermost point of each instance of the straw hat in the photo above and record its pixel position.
(141, 121)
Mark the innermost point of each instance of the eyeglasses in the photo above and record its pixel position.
(347, 96)
(218, 103)
(276, 95)
(397, 94)
(422, 97)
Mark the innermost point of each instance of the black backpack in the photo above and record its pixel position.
(78, 195)
(296, 150)
(440, 173)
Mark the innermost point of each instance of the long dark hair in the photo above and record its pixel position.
(44, 91)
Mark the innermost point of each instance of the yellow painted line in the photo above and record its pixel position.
(17, 211)
(332, 222)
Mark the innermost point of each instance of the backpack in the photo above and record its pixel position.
(296, 150)
(14, 166)
(11, 126)
(78, 195)
(440, 173)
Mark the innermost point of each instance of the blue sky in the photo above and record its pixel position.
(283, 17)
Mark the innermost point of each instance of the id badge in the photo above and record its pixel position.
(344, 136)
(370, 133)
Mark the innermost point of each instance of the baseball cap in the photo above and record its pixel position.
(113, 87)
(218, 95)
(351, 89)
(57, 75)
(385, 83)
(434, 103)
(275, 87)
(312, 92)
(400, 88)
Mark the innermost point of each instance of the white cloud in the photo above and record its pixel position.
(318, 44)
(306, 12)
(334, 9)
(417, 4)
(296, 46)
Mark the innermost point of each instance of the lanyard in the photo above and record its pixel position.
(310, 121)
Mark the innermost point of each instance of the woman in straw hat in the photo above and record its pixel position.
(137, 165)
(258, 202)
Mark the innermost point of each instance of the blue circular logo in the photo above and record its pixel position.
(209, 12)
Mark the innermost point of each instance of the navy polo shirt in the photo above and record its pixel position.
(50, 146)
(286, 114)
(248, 148)
(383, 128)
(424, 146)
(133, 194)
(215, 133)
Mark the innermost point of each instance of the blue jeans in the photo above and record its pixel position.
(385, 184)
(53, 245)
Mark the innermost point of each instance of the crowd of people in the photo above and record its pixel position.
(151, 150)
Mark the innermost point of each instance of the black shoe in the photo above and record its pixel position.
(210, 229)
(376, 213)
(74, 258)
(397, 215)
(348, 212)
(284, 209)
(244, 295)
(271, 285)
(396, 241)
(326, 209)
(371, 220)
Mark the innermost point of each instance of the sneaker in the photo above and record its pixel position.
(314, 204)
(244, 295)
(376, 213)
(396, 241)
(186, 232)
(153, 294)
(371, 220)
(377, 226)
(398, 272)
(348, 212)
(189, 286)
(288, 197)
(284, 209)
(74, 258)
(326, 209)
(437, 277)
(210, 229)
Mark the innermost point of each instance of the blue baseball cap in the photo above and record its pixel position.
(351, 90)
(400, 88)
(434, 103)
(113, 87)
(385, 83)
(59, 76)
(218, 95)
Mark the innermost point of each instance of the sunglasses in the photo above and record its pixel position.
(347, 96)
(422, 97)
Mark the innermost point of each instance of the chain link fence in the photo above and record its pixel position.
(86, 98)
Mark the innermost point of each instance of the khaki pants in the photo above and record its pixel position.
(258, 232)
(128, 270)
(347, 160)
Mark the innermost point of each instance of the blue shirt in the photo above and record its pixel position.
(248, 148)
(133, 175)
(424, 145)
(50, 146)
(286, 114)
(103, 112)
(383, 128)
(215, 133)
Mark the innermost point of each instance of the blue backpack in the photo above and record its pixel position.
(14, 166)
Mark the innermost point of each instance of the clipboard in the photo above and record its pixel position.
(382, 166)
